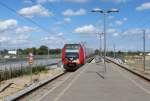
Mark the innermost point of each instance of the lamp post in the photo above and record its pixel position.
(144, 49)
(48, 52)
(100, 43)
(114, 51)
(98, 10)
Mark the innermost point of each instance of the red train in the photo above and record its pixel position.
(74, 55)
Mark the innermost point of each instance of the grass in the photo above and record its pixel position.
(9, 73)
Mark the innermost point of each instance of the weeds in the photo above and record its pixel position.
(12, 73)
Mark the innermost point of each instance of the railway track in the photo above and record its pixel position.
(129, 70)
(33, 88)
(40, 91)
(49, 85)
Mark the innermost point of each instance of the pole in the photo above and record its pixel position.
(30, 73)
(114, 51)
(101, 44)
(30, 61)
(104, 42)
(144, 49)
(48, 52)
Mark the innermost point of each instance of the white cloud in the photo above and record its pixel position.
(148, 36)
(60, 34)
(14, 39)
(35, 10)
(20, 39)
(78, 1)
(5, 25)
(111, 24)
(72, 1)
(10, 26)
(143, 6)
(125, 19)
(131, 32)
(27, 1)
(59, 22)
(67, 20)
(12, 34)
(115, 34)
(120, 1)
(86, 29)
(110, 17)
(134, 31)
(70, 12)
(53, 0)
(115, 1)
(41, 1)
(54, 40)
(25, 29)
(44, 1)
(119, 22)
(111, 30)
(4, 39)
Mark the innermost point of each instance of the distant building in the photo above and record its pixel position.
(148, 54)
(141, 54)
(12, 52)
(6, 56)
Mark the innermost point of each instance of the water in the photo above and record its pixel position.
(23, 63)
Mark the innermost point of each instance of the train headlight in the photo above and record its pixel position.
(66, 58)
(78, 61)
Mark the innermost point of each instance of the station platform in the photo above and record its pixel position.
(90, 83)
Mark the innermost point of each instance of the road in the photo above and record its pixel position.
(89, 83)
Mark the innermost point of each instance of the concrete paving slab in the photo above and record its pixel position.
(91, 84)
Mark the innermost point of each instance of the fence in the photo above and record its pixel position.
(135, 62)
(13, 68)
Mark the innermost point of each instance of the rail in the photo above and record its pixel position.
(36, 86)
(132, 71)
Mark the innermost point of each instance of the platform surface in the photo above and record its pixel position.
(91, 84)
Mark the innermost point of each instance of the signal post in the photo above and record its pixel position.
(30, 62)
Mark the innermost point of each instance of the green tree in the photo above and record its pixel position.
(97, 51)
(55, 51)
(34, 50)
(43, 50)
(20, 51)
(28, 50)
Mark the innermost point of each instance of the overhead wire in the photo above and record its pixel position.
(139, 19)
(55, 18)
(66, 27)
(28, 19)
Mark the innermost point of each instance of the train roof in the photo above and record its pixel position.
(72, 44)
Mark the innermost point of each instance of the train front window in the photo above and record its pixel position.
(72, 47)
(72, 55)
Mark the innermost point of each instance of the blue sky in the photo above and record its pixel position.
(70, 21)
